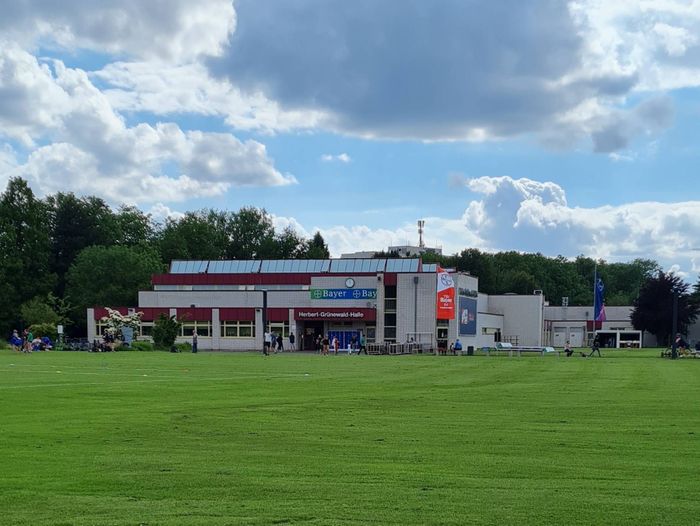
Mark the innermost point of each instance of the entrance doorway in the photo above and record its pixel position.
(311, 331)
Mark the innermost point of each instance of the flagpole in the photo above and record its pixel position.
(595, 280)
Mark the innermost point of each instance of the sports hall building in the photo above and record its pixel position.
(230, 303)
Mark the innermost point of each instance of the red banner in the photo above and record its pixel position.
(445, 295)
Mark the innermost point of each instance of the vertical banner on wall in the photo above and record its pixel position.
(467, 316)
(445, 295)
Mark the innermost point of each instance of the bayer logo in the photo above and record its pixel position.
(356, 294)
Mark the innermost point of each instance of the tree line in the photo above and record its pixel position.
(62, 254)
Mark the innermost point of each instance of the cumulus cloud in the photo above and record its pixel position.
(341, 157)
(92, 150)
(452, 72)
(176, 30)
(532, 216)
(166, 89)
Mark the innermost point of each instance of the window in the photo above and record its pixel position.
(100, 328)
(147, 329)
(202, 328)
(279, 327)
(238, 329)
(371, 335)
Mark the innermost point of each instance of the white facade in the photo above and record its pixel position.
(385, 306)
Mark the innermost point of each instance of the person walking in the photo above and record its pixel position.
(280, 342)
(363, 343)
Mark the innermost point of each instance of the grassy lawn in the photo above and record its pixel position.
(159, 438)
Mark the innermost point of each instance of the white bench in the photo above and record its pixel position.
(519, 349)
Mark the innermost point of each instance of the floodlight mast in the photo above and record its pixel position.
(674, 326)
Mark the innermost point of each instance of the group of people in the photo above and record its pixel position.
(595, 348)
(28, 343)
(325, 343)
(275, 343)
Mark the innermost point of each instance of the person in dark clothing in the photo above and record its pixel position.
(291, 341)
(280, 343)
(595, 348)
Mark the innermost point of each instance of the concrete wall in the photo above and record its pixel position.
(415, 308)
(522, 317)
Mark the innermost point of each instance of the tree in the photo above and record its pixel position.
(133, 227)
(317, 248)
(109, 276)
(198, 235)
(653, 308)
(165, 331)
(38, 310)
(479, 264)
(77, 223)
(251, 235)
(24, 250)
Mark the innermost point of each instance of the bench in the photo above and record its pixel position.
(520, 349)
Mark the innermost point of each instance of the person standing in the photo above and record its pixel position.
(363, 342)
(325, 343)
(280, 342)
(194, 343)
(266, 343)
(336, 343)
(28, 343)
(291, 341)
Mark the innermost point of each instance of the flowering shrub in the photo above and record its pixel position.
(115, 321)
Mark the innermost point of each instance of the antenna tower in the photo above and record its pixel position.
(421, 225)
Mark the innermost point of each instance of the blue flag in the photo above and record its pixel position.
(599, 302)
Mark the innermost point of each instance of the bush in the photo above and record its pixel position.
(165, 330)
(141, 346)
(44, 329)
(184, 347)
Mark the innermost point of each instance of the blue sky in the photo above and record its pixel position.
(563, 127)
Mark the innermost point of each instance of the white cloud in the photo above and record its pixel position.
(94, 151)
(531, 216)
(160, 212)
(166, 89)
(176, 30)
(342, 158)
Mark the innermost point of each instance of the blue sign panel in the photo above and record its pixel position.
(467, 316)
(343, 294)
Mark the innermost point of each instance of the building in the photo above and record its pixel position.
(230, 303)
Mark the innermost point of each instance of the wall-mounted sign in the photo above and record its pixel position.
(467, 316)
(343, 294)
(334, 314)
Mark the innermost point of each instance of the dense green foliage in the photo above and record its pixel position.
(213, 438)
(653, 309)
(86, 253)
(165, 331)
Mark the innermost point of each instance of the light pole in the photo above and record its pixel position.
(674, 326)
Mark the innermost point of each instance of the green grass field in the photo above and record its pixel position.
(159, 438)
